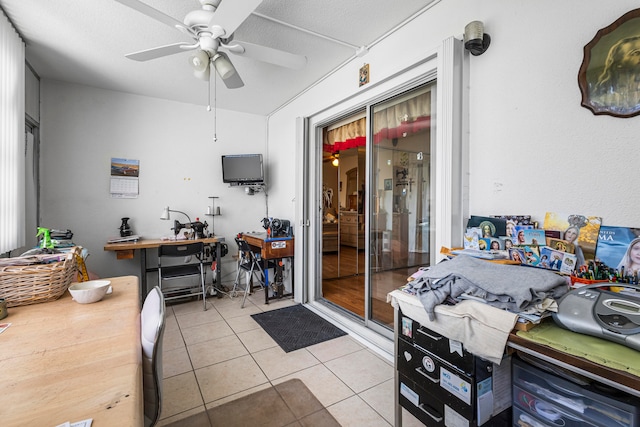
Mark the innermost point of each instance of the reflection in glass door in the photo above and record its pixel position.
(343, 224)
(393, 203)
(401, 193)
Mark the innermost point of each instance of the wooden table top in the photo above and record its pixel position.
(63, 361)
(154, 243)
(271, 247)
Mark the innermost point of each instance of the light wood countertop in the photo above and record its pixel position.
(63, 361)
(155, 243)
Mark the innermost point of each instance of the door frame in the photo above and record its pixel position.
(444, 65)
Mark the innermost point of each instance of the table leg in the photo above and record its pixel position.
(219, 264)
(266, 283)
(143, 275)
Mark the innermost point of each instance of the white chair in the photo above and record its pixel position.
(151, 333)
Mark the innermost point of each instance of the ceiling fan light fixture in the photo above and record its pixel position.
(224, 67)
(203, 75)
(199, 61)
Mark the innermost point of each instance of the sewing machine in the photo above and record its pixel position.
(198, 229)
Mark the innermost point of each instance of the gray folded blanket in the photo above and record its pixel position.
(510, 287)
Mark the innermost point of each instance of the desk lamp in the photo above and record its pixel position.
(165, 214)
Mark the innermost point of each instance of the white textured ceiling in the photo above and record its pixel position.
(84, 42)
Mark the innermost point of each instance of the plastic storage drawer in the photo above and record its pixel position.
(583, 402)
(542, 411)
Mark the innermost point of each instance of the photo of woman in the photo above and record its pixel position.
(631, 260)
(571, 235)
(508, 243)
(615, 247)
(581, 231)
(516, 255)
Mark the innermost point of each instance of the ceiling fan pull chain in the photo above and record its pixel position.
(215, 125)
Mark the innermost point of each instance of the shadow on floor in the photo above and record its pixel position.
(290, 403)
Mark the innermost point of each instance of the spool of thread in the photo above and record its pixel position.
(218, 210)
(208, 210)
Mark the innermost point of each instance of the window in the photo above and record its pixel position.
(12, 144)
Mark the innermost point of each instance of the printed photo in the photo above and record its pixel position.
(516, 254)
(483, 244)
(534, 236)
(555, 259)
(517, 219)
(580, 230)
(520, 239)
(471, 238)
(490, 227)
(507, 242)
(618, 248)
(531, 255)
(495, 244)
(561, 245)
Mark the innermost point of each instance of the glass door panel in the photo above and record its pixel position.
(400, 196)
(330, 197)
(343, 248)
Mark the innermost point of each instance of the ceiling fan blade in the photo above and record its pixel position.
(158, 52)
(157, 15)
(268, 54)
(229, 15)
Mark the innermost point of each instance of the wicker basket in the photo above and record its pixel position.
(32, 284)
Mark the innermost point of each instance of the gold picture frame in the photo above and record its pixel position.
(609, 77)
(363, 75)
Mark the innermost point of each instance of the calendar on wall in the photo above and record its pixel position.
(125, 174)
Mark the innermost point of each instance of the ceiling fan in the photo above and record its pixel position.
(212, 28)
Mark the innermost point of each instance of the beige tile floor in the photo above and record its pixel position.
(215, 356)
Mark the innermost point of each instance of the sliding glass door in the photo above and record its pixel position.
(392, 204)
(400, 224)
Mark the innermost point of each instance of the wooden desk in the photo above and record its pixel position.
(63, 361)
(125, 250)
(272, 249)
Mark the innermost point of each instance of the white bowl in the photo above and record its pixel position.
(88, 292)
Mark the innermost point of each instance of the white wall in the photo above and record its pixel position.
(84, 127)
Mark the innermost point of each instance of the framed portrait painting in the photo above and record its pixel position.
(609, 77)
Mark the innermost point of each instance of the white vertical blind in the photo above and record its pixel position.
(12, 131)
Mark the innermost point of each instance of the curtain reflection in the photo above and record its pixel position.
(401, 119)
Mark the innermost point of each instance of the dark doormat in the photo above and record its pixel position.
(286, 404)
(296, 327)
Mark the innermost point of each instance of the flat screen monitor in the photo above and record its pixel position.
(242, 169)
